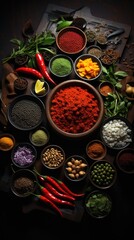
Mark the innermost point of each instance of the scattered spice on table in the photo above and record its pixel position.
(74, 109)
(126, 161)
(26, 114)
(23, 185)
(110, 56)
(23, 156)
(95, 150)
(6, 143)
(87, 68)
(61, 66)
(71, 42)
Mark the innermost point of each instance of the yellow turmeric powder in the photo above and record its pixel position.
(87, 68)
(6, 143)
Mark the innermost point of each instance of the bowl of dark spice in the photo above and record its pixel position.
(53, 157)
(90, 37)
(125, 160)
(110, 56)
(98, 204)
(71, 41)
(23, 155)
(96, 149)
(20, 85)
(23, 183)
(74, 109)
(94, 50)
(61, 67)
(26, 112)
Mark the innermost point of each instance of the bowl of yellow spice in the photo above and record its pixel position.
(7, 141)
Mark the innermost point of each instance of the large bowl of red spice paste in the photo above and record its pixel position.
(74, 109)
(71, 40)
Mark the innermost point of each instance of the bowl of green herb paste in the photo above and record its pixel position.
(61, 67)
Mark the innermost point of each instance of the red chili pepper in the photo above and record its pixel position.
(54, 199)
(42, 67)
(30, 71)
(49, 202)
(64, 187)
(58, 194)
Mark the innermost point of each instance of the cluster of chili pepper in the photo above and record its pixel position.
(41, 74)
(56, 193)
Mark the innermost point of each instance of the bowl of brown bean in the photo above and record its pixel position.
(53, 157)
(76, 168)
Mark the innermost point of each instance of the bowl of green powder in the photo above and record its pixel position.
(61, 67)
(39, 137)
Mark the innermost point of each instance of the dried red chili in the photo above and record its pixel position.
(74, 109)
(71, 42)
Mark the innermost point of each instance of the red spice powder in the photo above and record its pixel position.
(71, 42)
(74, 109)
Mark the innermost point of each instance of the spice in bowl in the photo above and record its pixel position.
(7, 142)
(105, 88)
(109, 56)
(39, 137)
(96, 150)
(52, 157)
(20, 84)
(61, 66)
(94, 50)
(125, 160)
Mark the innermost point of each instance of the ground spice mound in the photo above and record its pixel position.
(74, 109)
(24, 185)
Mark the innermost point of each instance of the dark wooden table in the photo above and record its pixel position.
(38, 223)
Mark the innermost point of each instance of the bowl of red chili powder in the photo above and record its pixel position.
(125, 160)
(71, 40)
(74, 109)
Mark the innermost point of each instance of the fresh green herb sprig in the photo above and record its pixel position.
(62, 23)
(110, 74)
(42, 40)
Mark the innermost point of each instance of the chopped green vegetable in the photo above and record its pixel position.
(63, 23)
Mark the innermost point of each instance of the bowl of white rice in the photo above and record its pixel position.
(116, 132)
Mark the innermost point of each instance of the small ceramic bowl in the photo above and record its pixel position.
(23, 183)
(98, 204)
(7, 142)
(84, 67)
(39, 137)
(105, 88)
(102, 174)
(52, 157)
(23, 155)
(125, 160)
(109, 57)
(20, 85)
(76, 168)
(96, 149)
(71, 41)
(94, 50)
(116, 132)
(61, 67)
(42, 94)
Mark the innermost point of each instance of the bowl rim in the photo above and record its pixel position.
(128, 123)
(21, 144)
(72, 83)
(18, 173)
(96, 141)
(46, 84)
(95, 191)
(78, 157)
(128, 149)
(114, 179)
(61, 55)
(10, 136)
(106, 83)
(39, 128)
(32, 99)
(56, 146)
(85, 56)
(76, 29)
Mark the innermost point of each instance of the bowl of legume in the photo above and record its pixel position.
(98, 204)
(87, 67)
(102, 174)
(76, 168)
(52, 157)
(116, 132)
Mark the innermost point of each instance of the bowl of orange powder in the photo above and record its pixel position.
(87, 67)
(74, 109)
